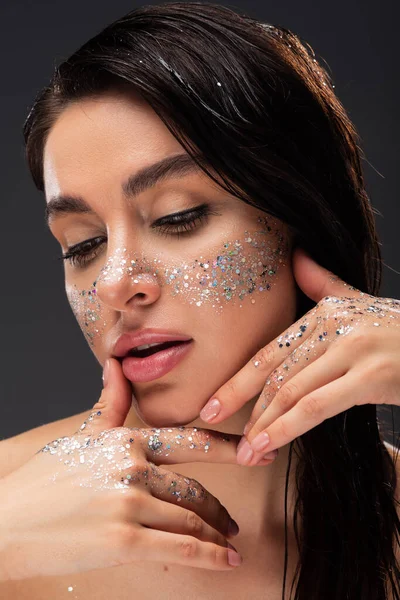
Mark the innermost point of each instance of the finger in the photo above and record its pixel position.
(328, 367)
(186, 550)
(187, 493)
(176, 519)
(303, 356)
(315, 365)
(313, 409)
(250, 380)
(114, 403)
(316, 281)
(173, 445)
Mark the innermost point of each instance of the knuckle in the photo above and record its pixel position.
(218, 555)
(201, 436)
(230, 389)
(188, 547)
(328, 301)
(122, 535)
(283, 430)
(287, 395)
(312, 406)
(359, 341)
(127, 506)
(101, 402)
(136, 503)
(265, 356)
(193, 523)
(140, 466)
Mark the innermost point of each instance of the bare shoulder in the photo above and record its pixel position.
(15, 451)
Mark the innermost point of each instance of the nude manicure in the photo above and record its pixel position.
(260, 442)
(210, 410)
(234, 559)
(245, 454)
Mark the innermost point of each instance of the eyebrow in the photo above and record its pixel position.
(176, 165)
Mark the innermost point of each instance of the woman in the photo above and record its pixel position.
(194, 109)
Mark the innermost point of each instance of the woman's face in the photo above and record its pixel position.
(223, 278)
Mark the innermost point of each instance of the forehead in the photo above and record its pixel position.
(97, 138)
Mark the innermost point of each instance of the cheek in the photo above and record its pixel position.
(266, 317)
(238, 277)
(233, 338)
(233, 272)
(88, 310)
(225, 342)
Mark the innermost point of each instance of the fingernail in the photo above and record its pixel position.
(245, 454)
(210, 410)
(234, 559)
(106, 370)
(233, 527)
(260, 442)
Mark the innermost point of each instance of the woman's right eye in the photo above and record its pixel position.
(180, 224)
(84, 252)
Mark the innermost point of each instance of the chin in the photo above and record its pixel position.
(162, 417)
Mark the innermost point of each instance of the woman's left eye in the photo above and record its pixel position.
(175, 224)
(183, 222)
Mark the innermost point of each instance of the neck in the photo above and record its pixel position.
(254, 496)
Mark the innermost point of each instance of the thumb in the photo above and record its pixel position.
(316, 281)
(114, 403)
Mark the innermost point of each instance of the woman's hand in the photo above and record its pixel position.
(99, 498)
(344, 352)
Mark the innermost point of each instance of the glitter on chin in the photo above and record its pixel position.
(242, 269)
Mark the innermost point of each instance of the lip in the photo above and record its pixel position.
(126, 342)
(156, 365)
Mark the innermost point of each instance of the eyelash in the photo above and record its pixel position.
(81, 254)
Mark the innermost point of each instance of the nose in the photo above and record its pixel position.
(122, 285)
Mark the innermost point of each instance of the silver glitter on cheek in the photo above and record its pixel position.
(88, 310)
(243, 268)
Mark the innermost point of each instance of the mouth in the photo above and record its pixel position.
(152, 361)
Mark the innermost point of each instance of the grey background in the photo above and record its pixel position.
(47, 369)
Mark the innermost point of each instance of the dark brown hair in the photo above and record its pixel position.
(252, 105)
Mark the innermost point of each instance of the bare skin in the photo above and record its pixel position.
(106, 582)
(120, 581)
(94, 145)
(91, 149)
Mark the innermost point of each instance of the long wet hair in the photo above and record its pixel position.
(259, 114)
